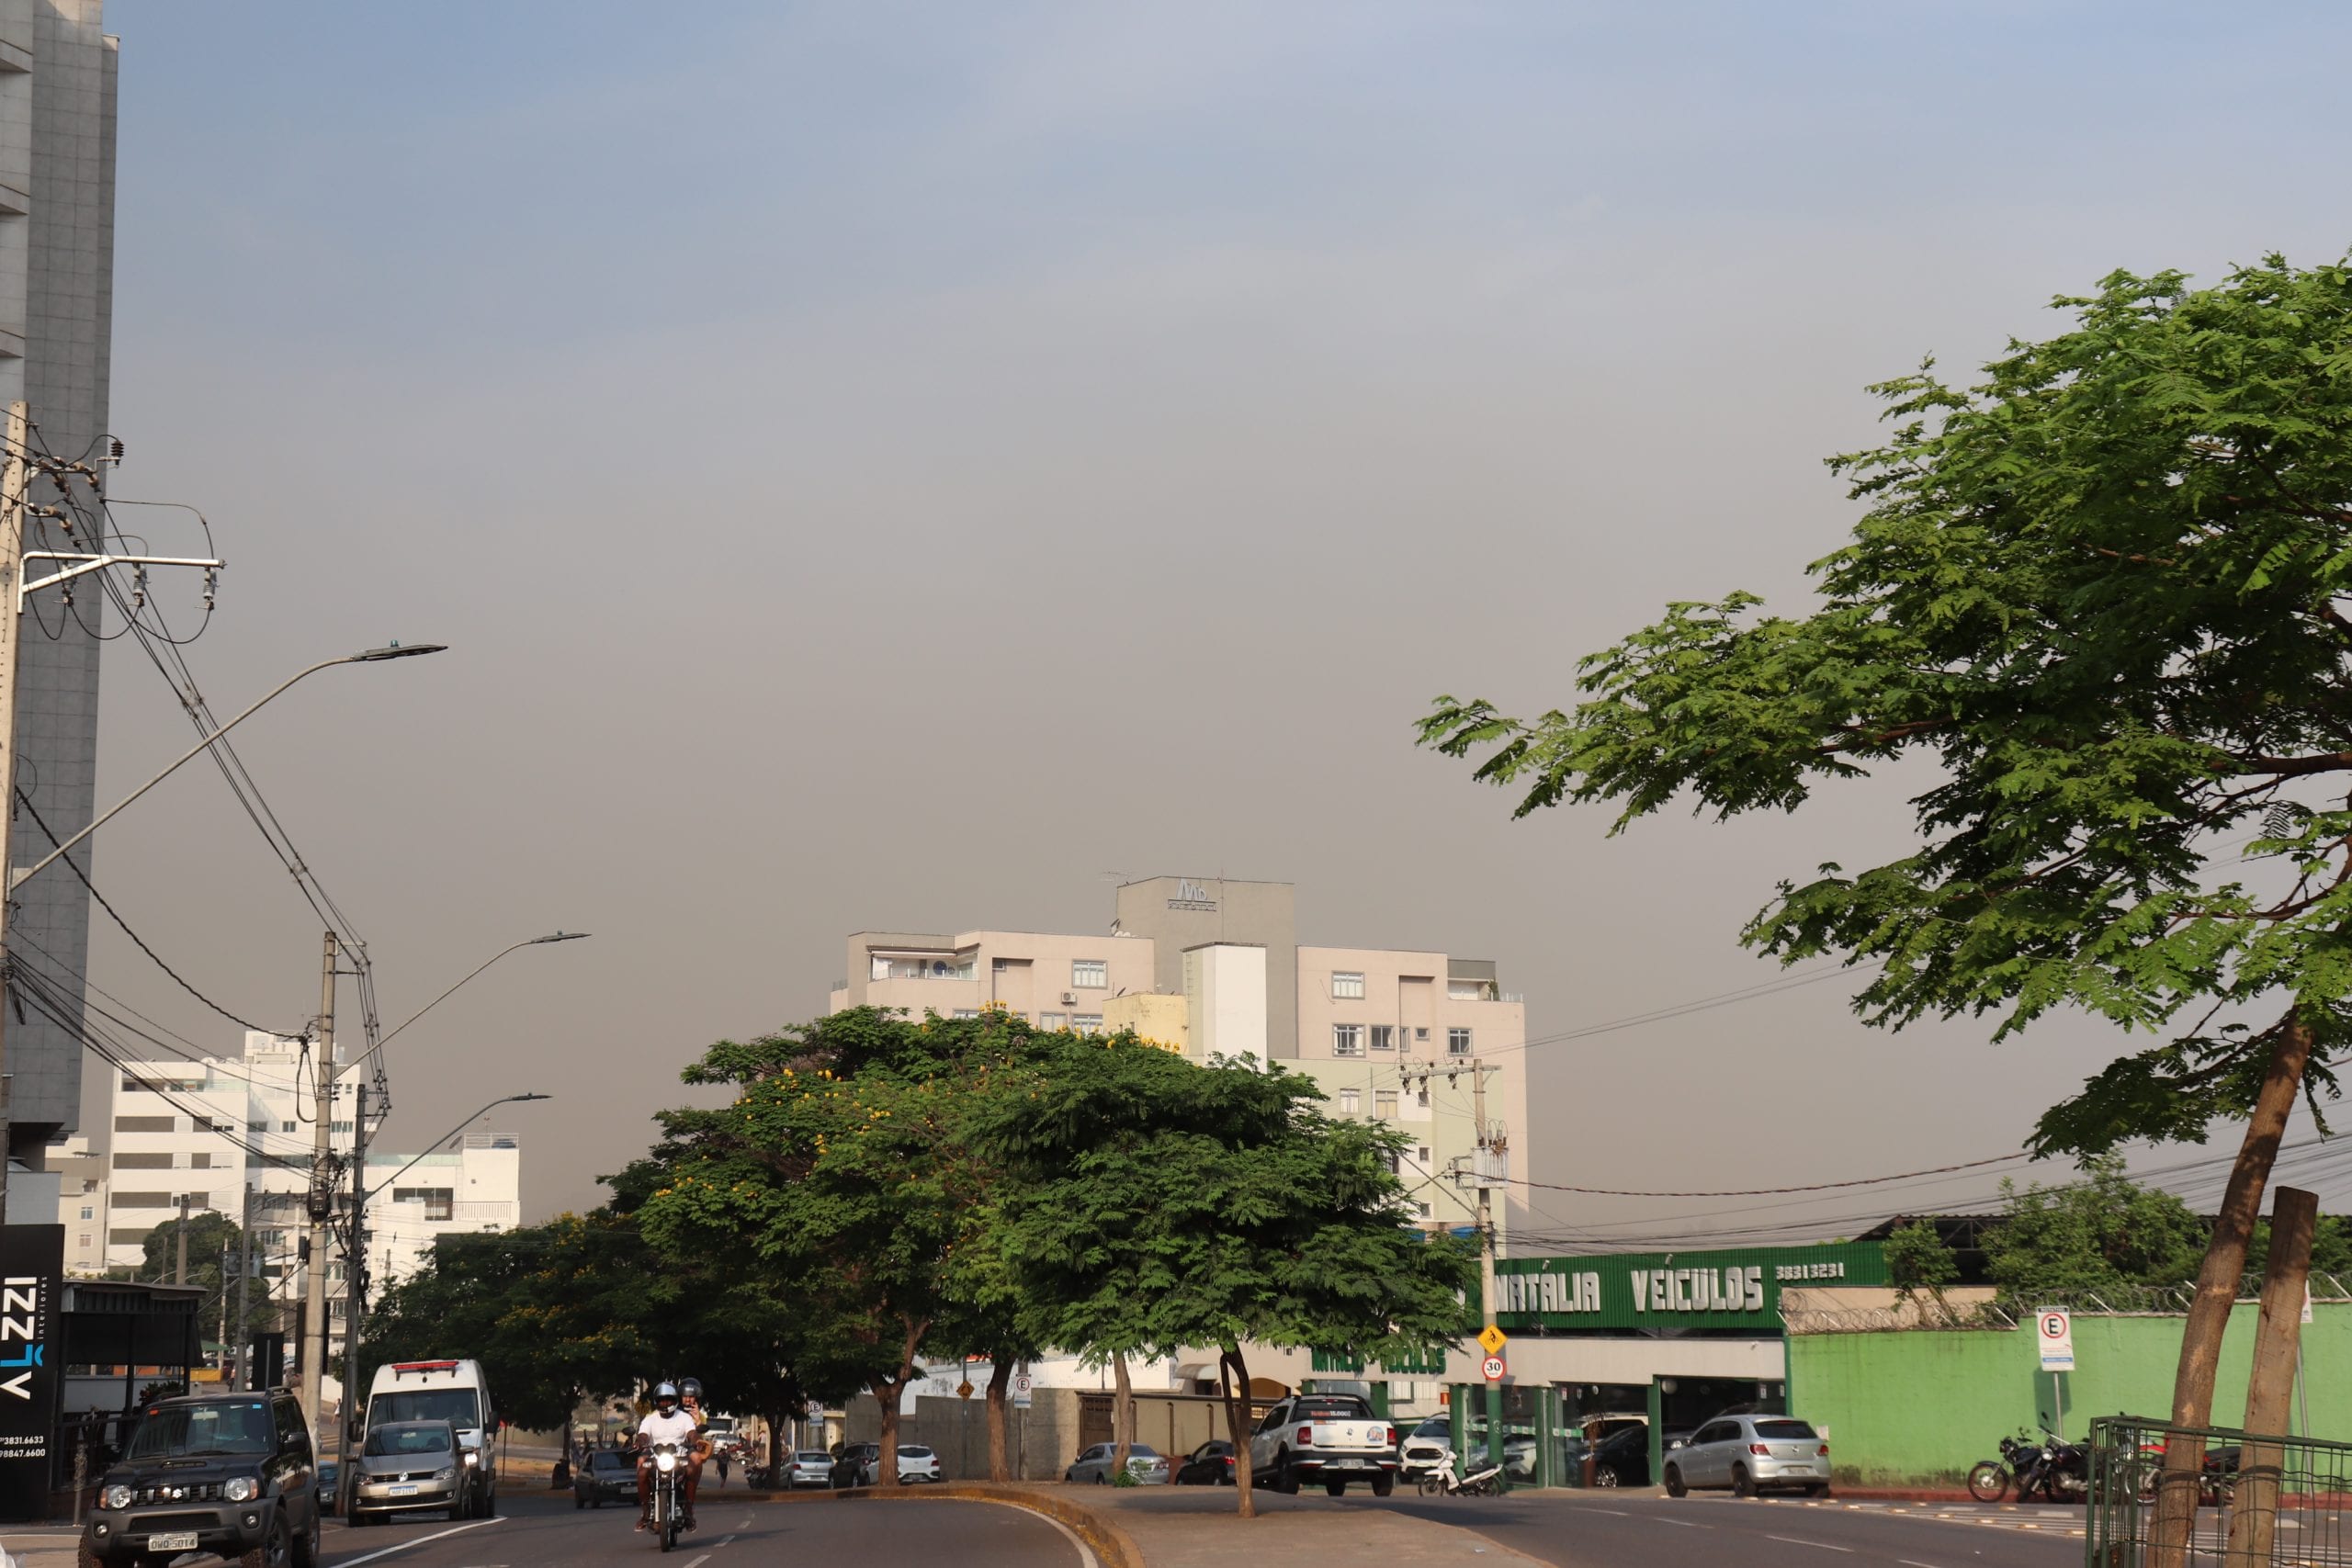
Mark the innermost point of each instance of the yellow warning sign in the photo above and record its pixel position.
(1492, 1340)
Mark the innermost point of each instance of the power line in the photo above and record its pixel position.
(1772, 1191)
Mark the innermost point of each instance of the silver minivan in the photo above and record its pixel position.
(1750, 1454)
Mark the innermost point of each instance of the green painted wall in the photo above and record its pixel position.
(1920, 1407)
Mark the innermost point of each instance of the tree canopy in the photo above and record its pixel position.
(2101, 590)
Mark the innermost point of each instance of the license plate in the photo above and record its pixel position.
(403, 1490)
(173, 1540)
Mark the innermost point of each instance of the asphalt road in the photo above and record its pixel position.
(1610, 1530)
(543, 1531)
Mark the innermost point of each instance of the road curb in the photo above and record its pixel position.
(1112, 1545)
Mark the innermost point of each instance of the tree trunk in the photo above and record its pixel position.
(1123, 1416)
(886, 1465)
(1233, 1381)
(1000, 1380)
(2254, 1516)
(2174, 1515)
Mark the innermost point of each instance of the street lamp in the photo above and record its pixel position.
(355, 1254)
(17, 878)
(367, 656)
(527, 942)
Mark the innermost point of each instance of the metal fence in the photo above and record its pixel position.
(2258, 1500)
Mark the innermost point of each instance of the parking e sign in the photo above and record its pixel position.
(2056, 1332)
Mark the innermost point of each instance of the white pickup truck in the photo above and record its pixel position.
(1331, 1437)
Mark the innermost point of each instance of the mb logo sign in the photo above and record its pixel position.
(2055, 1330)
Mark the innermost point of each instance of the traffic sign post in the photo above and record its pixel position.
(1493, 1368)
(1492, 1340)
(1021, 1384)
(2053, 1329)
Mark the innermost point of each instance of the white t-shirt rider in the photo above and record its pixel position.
(675, 1428)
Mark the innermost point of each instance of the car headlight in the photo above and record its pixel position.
(239, 1488)
(116, 1496)
(473, 1459)
(446, 1473)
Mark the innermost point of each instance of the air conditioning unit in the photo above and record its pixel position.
(1069, 999)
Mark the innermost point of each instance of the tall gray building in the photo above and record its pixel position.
(57, 119)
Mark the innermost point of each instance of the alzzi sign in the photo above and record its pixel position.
(32, 1267)
(1738, 1289)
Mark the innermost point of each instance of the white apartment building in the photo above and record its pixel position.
(1210, 966)
(235, 1135)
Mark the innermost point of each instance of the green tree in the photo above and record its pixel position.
(1919, 1263)
(209, 1234)
(1153, 1202)
(842, 1177)
(2101, 594)
(2100, 1236)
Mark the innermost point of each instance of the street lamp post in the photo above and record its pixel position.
(17, 878)
(356, 1250)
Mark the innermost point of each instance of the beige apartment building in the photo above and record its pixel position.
(1213, 966)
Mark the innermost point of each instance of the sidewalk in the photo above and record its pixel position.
(1195, 1527)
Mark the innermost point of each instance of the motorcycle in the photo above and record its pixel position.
(1441, 1482)
(2059, 1471)
(671, 1462)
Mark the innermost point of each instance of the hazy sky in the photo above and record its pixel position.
(894, 465)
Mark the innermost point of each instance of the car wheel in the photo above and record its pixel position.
(1102, 1478)
(1742, 1484)
(489, 1504)
(1381, 1485)
(1674, 1484)
(306, 1545)
(1285, 1478)
(1604, 1476)
(275, 1550)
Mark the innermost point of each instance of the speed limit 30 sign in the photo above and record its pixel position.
(1492, 1366)
(2056, 1331)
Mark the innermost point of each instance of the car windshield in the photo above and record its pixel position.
(905, 1451)
(457, 1406)
(607, 1460)
(1331, 1409)
(408, 1441)
(1435, 1427)
(1782, 1429)
(187, 1430)
(814, 1456)
(1137, 1450)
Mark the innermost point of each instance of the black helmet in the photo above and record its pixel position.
(691, 1388)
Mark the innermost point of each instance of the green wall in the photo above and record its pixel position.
(1920, 1407)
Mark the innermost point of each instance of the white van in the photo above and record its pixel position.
(454, 1392)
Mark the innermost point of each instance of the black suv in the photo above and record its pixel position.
(226, 1473)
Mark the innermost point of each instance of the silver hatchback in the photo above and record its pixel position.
(1750, 1454)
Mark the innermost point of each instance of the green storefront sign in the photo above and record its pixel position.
(1739, 1287)
(1400, 1364)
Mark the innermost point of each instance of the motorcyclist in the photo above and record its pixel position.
(667, 1424)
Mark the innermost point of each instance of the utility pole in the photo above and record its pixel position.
(314, 1301)
(179, 1265)
(354, 1276)
(16, 476)
(224, 1312)
(245, 1282)
(1482, 1175)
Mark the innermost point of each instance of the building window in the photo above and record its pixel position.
(1053, 1019)
(1425, 1211)
(1383, 1037)
(286, 1127)
(1424, 1153)
(1457, 1043)
(1347, 1040)
(145, 1123)
(199, 1161)
(1350, 1102)
(1090, 973)
(1346, 985)
(1087, 1023)
(1383, 1105)
(85, 1237)
(87, 1216)
(1466, 990)
(142, 1162)
(1421, 1035)
(966, 1012)
(440, 1203)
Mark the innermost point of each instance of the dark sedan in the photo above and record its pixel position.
(1622, 1459)
(1210, 1464)
(609, 1476)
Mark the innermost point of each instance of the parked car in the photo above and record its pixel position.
(1750, 1454)
(411, 1467)
(1210, 1464)
(1334, 1438)
(230, 1474)
(1623, 1458)
(1145, 1464)
(1425, 1448)
(809, 1467)
(609, 1475)
(330, 1485)
(917, 1463)
(850, 1466)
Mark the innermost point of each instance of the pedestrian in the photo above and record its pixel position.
(722, 1467)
